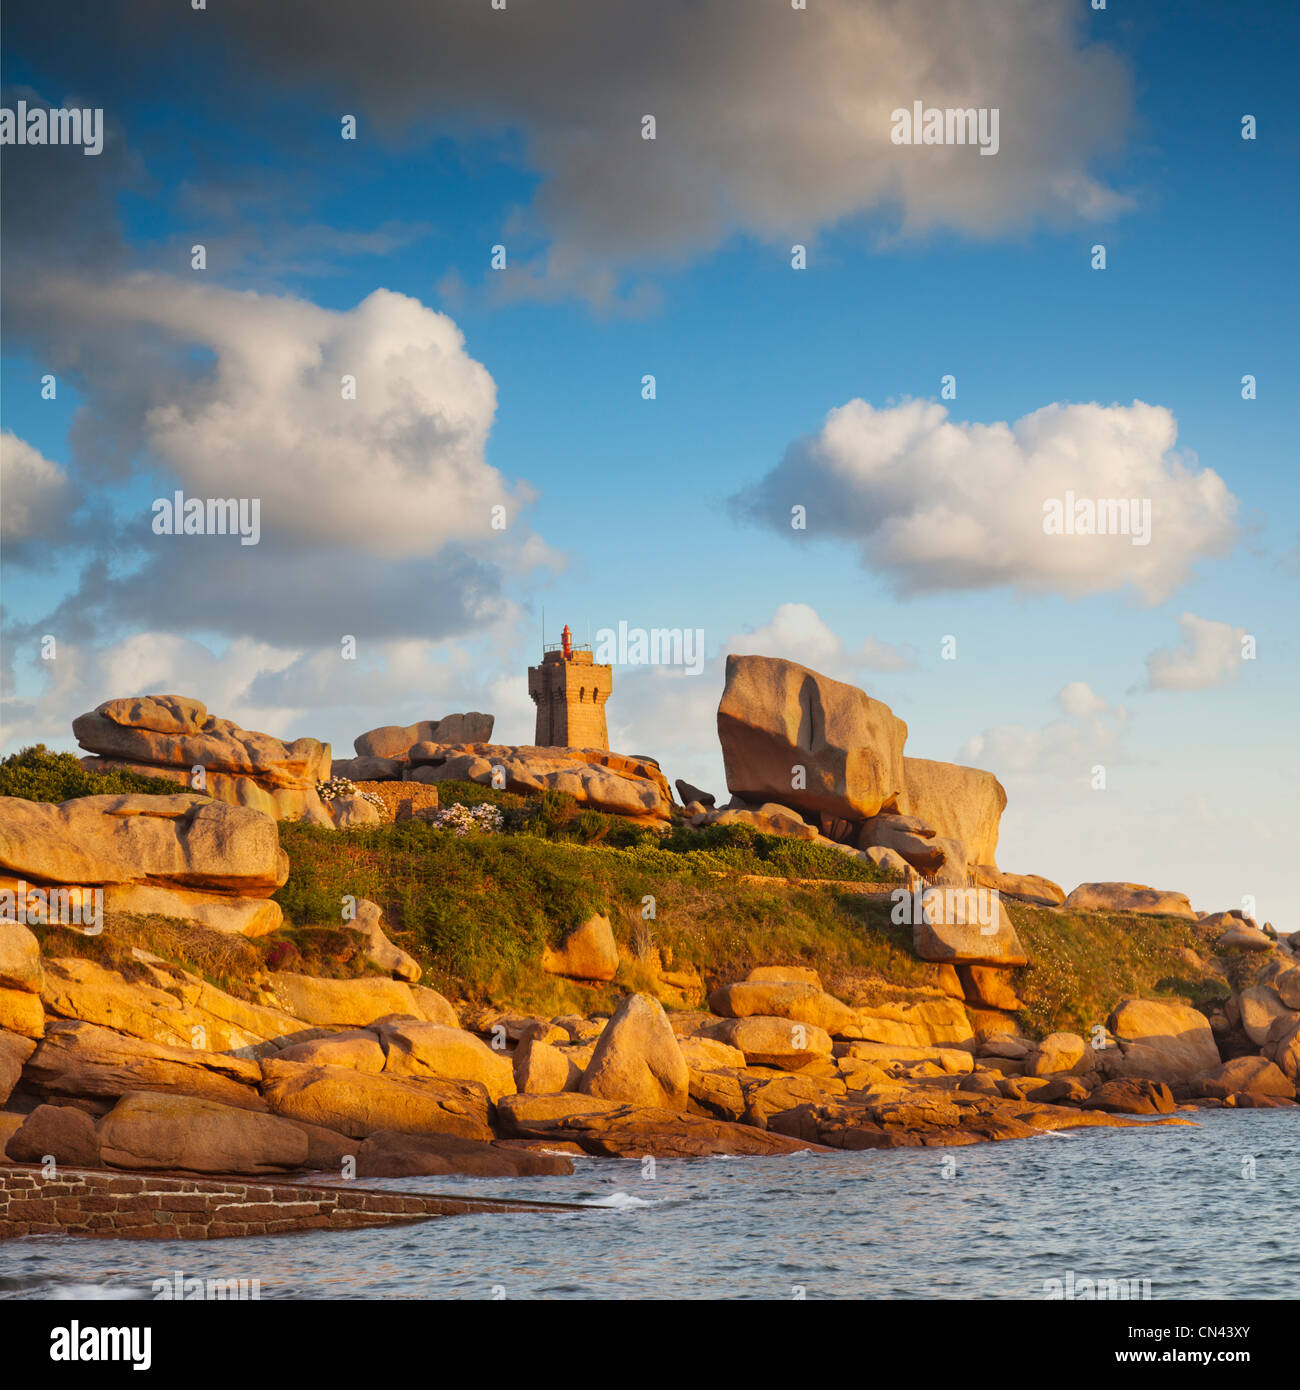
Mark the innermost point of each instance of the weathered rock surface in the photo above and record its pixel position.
(610, 1129)
(611, 782)
(421, 1050)
(541, 1068)
(1129, 897)
(1132, 1096)
(148, 1131)
(1283, 1046)
(960, 803)
(948, 929)
(927, 1022)
(804, 1003)
(776, 716)
(689, 793)
(394, 742)
(637, 1060)
(20, 958)
(369, 921)
(14, 1052)
(395, 1155)
(1243, 1075)
(356, 1048)
(59, 1131)
(1259, 1006)
(1029, 888)
(589, 952)
(774, 1042)
(987, 987)
(168, 841)
(1159, 1039)
(83, 1059)
(359, 1104)
(21, 1012)
(169, 735)
(344, 1003)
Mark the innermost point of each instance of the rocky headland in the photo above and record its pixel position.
(189, 1030)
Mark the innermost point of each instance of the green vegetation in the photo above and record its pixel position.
(222, 960)
(476, 911)
(1083, 963)
(36, 774)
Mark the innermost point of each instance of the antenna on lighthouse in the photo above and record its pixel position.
(543, 627)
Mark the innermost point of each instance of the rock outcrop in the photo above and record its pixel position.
(589, 952)
(1129, 897)
(180, 856)
(170, 735)
(394, 742)
(610, 782)
(1160, 1039)
(776, 717)
(960, 803)
(637, 1060)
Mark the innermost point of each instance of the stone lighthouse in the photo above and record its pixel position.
(570, 691)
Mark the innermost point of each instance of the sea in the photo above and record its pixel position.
(1156, 1212)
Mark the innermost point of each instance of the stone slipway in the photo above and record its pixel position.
(93, 1202)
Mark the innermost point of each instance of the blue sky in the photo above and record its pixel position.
(1119, 128)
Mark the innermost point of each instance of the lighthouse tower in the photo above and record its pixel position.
(570, 691)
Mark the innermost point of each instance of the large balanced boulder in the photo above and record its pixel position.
(1129, 897)
(148, 1131)
(777, 717)
(1159, 1039)
(170, 735)
(395, 741)
(960, 803)
(637, 1059)
(603, 781)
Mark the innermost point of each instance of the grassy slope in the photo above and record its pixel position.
(477, 912)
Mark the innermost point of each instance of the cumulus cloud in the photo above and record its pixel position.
(797, 632)
(937, 504)
(1210, 653)
(1062, 752)
(771, 122)
(399, 470)
(36, 501)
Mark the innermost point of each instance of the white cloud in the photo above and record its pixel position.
(1209, 654)
(771, 122)
(1061, 753)
(798, 633)
(398, 471)
(938, 504)
(36, 500)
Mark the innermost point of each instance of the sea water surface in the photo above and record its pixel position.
(1210, 1211)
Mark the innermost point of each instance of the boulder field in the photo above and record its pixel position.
(378, 1077)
